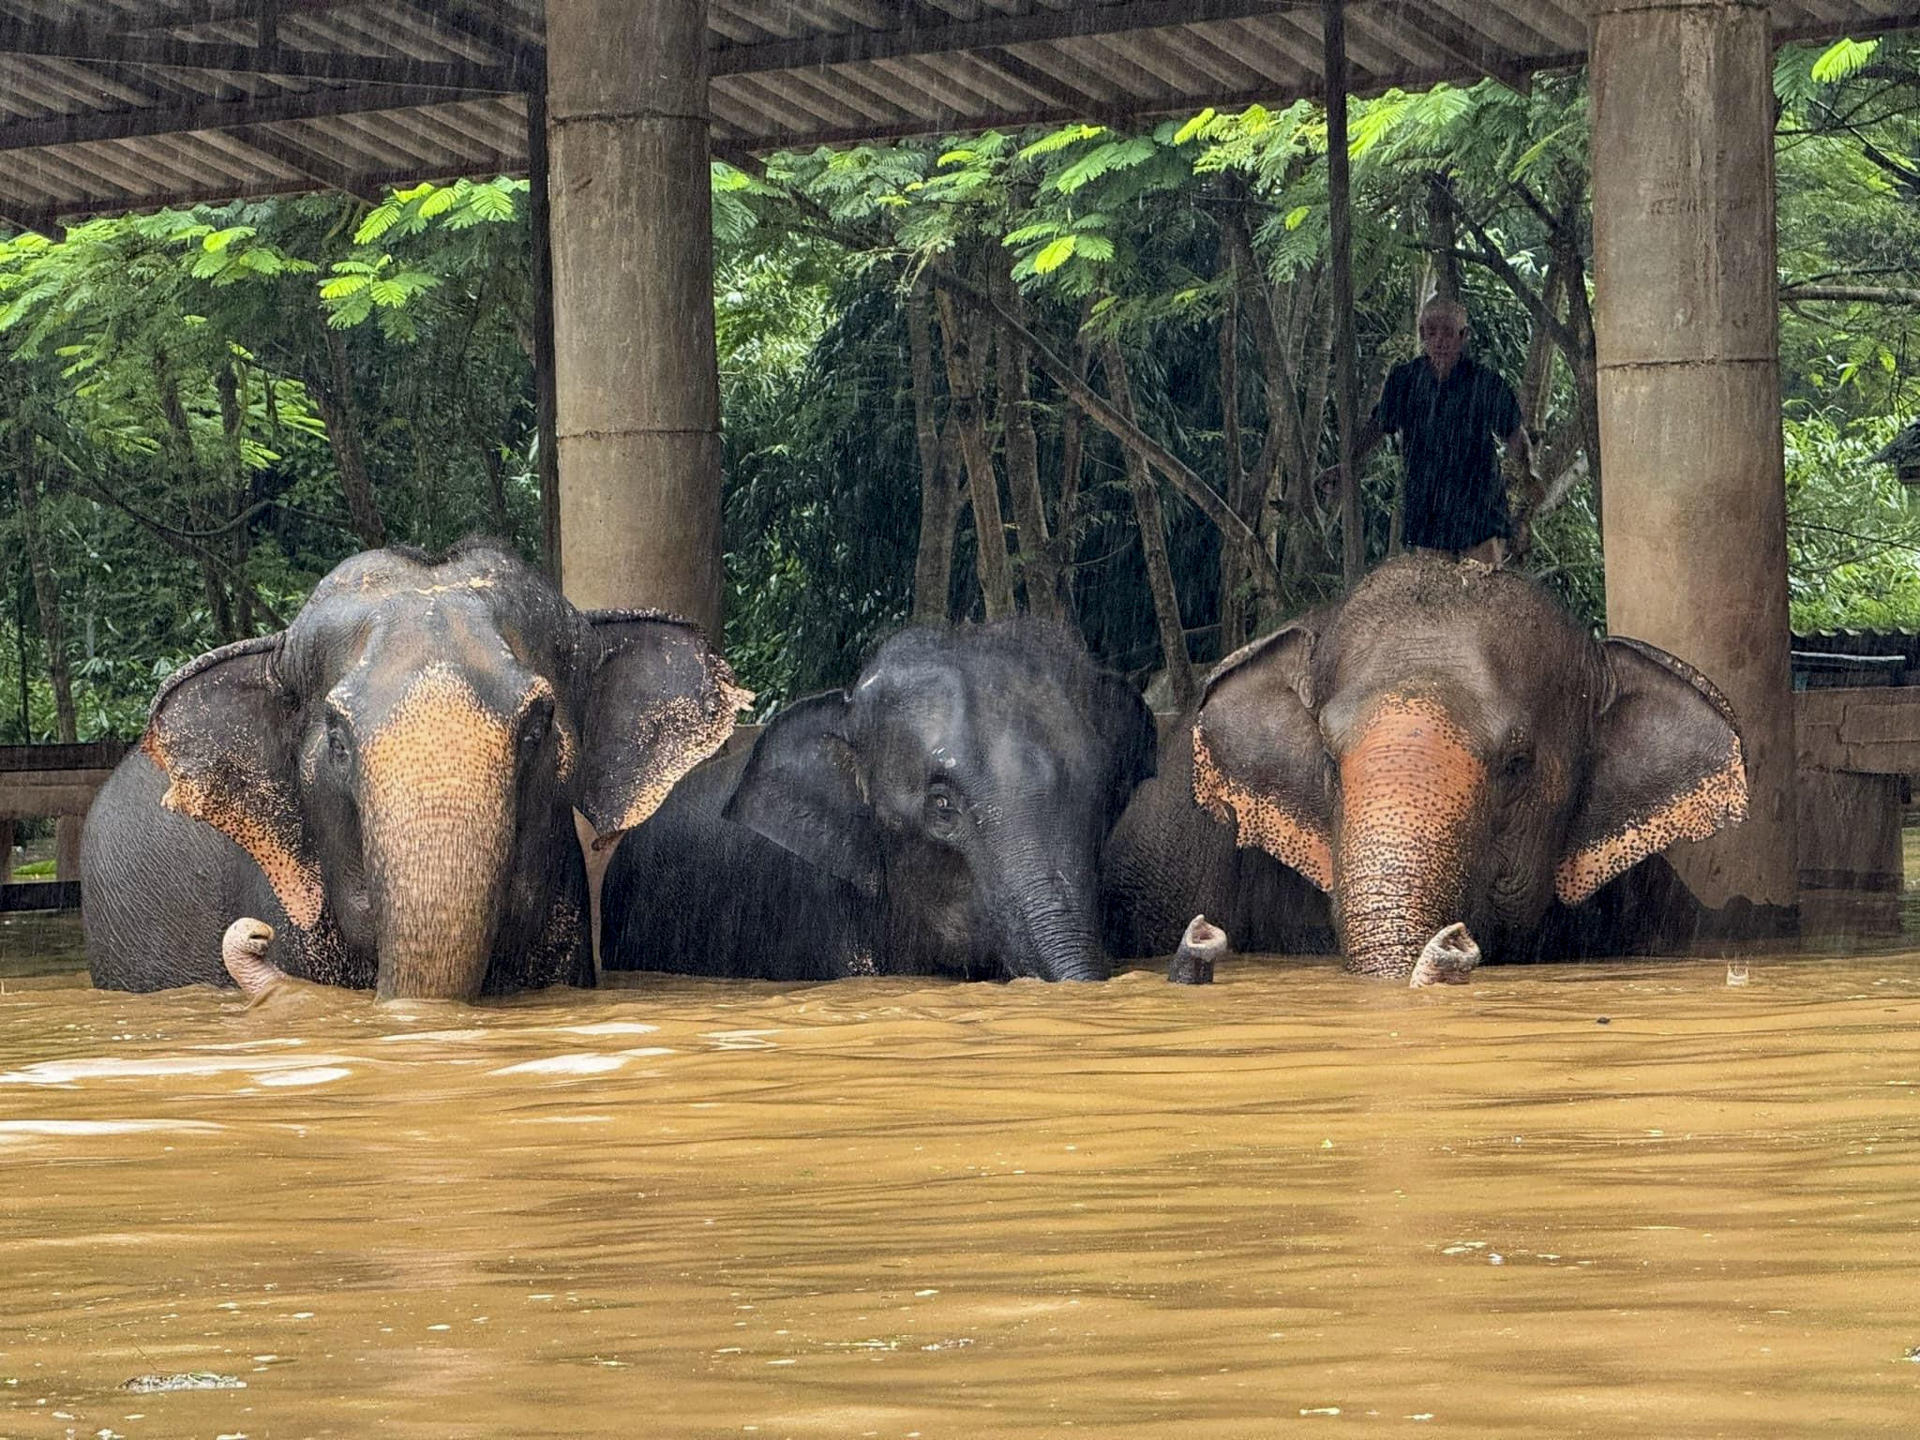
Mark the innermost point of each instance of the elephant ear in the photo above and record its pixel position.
(1123, 721)
(1667, 766)
(658, 702)
(221, 728)
(802, 790)
(1258, 760)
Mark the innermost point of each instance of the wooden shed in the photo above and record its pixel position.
(614, 108)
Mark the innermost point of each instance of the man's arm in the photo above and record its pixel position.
(1364, 444)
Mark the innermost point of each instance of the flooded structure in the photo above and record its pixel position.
(1673, 1198)
(615, 110)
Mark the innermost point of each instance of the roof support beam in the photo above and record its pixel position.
(311, 163)
(79, 42)
(1333, 21)
(1036, 25)
(481, 22)
(41, 225)
(215, 115)
(1048, 88)
(1433, 30)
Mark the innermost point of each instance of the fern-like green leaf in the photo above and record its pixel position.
(1053, 256)
(1194, 126)
(1843, 58)
(1114, 155)
(1061, 139)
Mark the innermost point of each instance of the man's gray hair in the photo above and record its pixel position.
(1441, 305)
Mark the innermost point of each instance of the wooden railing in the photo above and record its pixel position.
(37, 781)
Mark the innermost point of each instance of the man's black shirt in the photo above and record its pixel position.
(1455, 496)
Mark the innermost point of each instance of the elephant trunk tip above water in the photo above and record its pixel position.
(1448, 746)
(391, 781)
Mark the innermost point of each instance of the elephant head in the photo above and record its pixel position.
(966, 782)
(404, 759)
(1449, 746)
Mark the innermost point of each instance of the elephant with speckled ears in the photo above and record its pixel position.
(1445, 746)
(391, 782)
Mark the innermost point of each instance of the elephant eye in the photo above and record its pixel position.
(535, 729)
(1517, 767)
(942, 811)
(336, 738)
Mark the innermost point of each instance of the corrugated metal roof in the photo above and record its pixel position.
(118, 104)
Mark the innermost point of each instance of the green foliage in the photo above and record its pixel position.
(172, 370)
(1854, 530)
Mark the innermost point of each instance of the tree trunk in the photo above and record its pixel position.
(1153, 543)
(1281, 493)
(1584, 362)
(933, 563)
(1023, 449)
(1066, 515)
(1442, 244)
(186, 478)
(231, 385)
(46, 585)
(497, 515)
(1233, 560)
(21, 586)
(963, 386)
(333, 397)
(1182, 476)
(1353, 539)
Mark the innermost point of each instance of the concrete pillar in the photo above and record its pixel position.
(638, 410)
(66, 847)
(1694, 502)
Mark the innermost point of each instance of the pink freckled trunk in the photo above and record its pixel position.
(1410, 790)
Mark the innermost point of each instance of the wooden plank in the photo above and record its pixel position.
(82, 42)
(215, 115)
(94, 755)
(32, 797)
(21, 895)
(1869, 730)
(992, 30)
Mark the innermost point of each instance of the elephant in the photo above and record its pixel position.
(389, 784)
(1445, 746)
(943, 815)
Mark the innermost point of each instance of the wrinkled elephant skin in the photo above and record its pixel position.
(390, 782)
(1447, 746)
(945, 814)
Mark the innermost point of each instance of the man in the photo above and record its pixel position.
(1447, 411)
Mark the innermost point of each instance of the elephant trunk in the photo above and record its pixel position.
(1051, 929)
(438, 825)
(1411, 790)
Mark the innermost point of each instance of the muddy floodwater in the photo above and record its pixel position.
(1605, 1200)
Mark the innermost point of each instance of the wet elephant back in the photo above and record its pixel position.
(158, 888)
(1168, 860)
(693, 893)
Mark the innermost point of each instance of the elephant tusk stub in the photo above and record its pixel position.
(1449, 958)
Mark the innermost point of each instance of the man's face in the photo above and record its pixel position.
(1442, 337)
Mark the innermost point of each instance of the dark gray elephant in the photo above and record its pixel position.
(1445, 746)
(390, 782)
(944, 815)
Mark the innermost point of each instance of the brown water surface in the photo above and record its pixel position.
(1606, 1200)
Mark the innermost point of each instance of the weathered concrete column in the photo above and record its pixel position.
(638, 413)
(1694, 500)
